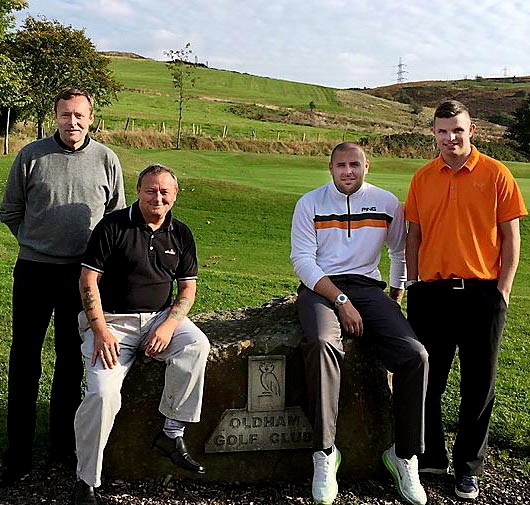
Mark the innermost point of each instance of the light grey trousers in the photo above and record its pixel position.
(185, 359)
(394, 343)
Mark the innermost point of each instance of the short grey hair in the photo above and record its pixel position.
(156, 168)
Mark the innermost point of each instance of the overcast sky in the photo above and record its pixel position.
(338, 43)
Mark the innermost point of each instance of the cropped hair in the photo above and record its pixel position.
(156, 168)
(346, 146)
(450, 108)
(68, 93)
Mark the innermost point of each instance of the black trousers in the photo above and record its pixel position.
(471, 320)
(394, 343)
(40, 289)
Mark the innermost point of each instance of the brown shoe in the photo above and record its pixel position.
(175, 449)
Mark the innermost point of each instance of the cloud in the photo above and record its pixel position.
(332, 42)
(112, 8)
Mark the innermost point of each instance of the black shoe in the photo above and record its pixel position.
(466, 486)
(175, 449)
(11, 473)
(83, 494)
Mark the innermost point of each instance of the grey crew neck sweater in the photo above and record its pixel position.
(54, 197)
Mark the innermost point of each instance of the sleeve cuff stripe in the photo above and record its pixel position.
(90, 267)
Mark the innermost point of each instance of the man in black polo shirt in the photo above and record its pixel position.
(126, 284)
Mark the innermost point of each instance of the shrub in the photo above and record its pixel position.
(143, 139)
(403, 97)
(401, 145)
(519, 130)
(501, 117)
(501, 151)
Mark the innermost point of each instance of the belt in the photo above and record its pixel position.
(458, 283)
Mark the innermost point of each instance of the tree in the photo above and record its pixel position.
(10, 93)
(10, 75)
(55, 57)
(7, 20)
(183, 74)
(519, 130)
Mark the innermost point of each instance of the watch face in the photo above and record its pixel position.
(342, 298)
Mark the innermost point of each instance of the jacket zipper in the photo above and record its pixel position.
(349, 215)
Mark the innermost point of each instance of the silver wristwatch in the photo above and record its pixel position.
(340, 300)
(410, 283)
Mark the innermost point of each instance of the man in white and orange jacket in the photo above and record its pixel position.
(338, 232)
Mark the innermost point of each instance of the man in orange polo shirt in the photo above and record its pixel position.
(463, 243)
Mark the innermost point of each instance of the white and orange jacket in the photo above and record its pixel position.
(335, 234)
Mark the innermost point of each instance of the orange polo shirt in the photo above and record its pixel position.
(458, 213)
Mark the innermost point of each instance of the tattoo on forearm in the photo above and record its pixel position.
(88, 300)
(180, 308)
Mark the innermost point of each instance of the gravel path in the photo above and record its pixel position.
(503, 483)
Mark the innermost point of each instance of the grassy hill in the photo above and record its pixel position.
(251, 106)
(487, 98)
(244, 106)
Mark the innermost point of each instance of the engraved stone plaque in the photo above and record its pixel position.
(266, 383)
(240, 430)
(266, 424)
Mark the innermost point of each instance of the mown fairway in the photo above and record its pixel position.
(239, 207)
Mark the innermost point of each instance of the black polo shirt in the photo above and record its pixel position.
(138, 265)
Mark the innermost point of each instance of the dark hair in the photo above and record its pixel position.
(450, 108)
(156, 169)
(346, 146)
(68, 93)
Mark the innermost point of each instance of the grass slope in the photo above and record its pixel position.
(247, 103)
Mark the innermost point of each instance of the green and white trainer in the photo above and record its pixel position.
(405, 473)
(325, 487)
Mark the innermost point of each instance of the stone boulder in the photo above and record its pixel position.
(364, 424)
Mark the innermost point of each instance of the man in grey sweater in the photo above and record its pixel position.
(58, 189)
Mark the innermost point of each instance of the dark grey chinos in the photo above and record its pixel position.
(395, 344)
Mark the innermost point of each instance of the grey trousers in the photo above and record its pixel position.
(185, 360)
(395, 345)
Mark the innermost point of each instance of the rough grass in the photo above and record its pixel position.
(152, 139)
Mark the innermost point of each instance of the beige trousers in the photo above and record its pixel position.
(185, 360)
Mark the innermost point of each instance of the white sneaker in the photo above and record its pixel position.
(405, 473)
(325, 487)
